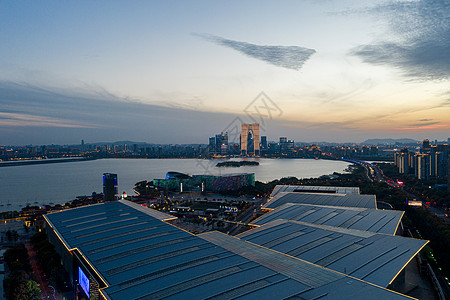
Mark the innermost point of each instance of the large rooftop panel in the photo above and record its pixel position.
(372, 257)
(314, 189)
(347, 200)
(324, 283)
(373, 220)
(138, 256)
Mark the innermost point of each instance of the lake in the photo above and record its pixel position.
(62, 182)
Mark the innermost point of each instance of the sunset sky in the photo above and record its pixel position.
(181, 71)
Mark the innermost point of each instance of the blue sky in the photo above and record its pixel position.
(180, 71)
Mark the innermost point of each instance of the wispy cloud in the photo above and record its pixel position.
(435, 127)
(289, 57)
(420, 45)
(424, 124)
(21, 120)
(40, 115)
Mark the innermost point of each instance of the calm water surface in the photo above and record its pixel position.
(62, 182)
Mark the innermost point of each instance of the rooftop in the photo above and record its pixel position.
(373, 257)
(347, 200)
(314, 189)
(139, 256)
(373, 220)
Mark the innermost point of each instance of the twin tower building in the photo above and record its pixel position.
(250, 139)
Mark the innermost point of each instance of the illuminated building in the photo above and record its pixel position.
(263, 142)
(110, 187)
(402, 160)
(212, 145)
(286, 146)
(120, 250)
(250, 139)
(219, 144)
(213, 183)
(224, 143)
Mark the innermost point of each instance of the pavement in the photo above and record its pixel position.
(417, 285)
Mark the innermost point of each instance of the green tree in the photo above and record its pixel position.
(32, 290)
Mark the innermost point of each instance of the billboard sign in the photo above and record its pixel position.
(83, 281)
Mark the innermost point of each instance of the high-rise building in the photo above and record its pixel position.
(426, 146)
(286, 146)
(263, 142)
(250, 139)
(422, 166)
(110, 187)
(431, 162)
(402, 161)
(224, 143)
(212, 145)
(218, 143)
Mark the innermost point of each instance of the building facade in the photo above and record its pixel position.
(110, 192)
(250, 139)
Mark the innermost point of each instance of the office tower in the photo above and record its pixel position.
(250, 139)
(224, 143)
(110, 187)
(212, 145)
(286, 146)
(218, 143)
(426, 146)
(263, 142)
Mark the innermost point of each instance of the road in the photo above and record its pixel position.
(376, 174)
(246, 215)
(46, 292)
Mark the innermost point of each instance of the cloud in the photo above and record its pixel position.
(435, 127)
(289, 57)
(35, 115)
(420, 45)
(424, 124)
(24, 120)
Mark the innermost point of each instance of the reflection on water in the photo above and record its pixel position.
(59, 183)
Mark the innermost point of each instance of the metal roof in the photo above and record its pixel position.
(314, 189)
(373, 257)
(373, 220)
(140, 257)
(323, 283)
(347, 200)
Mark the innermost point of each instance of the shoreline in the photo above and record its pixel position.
(19, 197)
(18, 163)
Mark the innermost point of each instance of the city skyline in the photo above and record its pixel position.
(177, 72)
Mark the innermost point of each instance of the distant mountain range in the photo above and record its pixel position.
(389, 141)
(132, 143)
(368, 142)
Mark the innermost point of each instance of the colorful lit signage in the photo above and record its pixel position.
(83, 281)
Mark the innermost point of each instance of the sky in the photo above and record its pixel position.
(181, 71)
